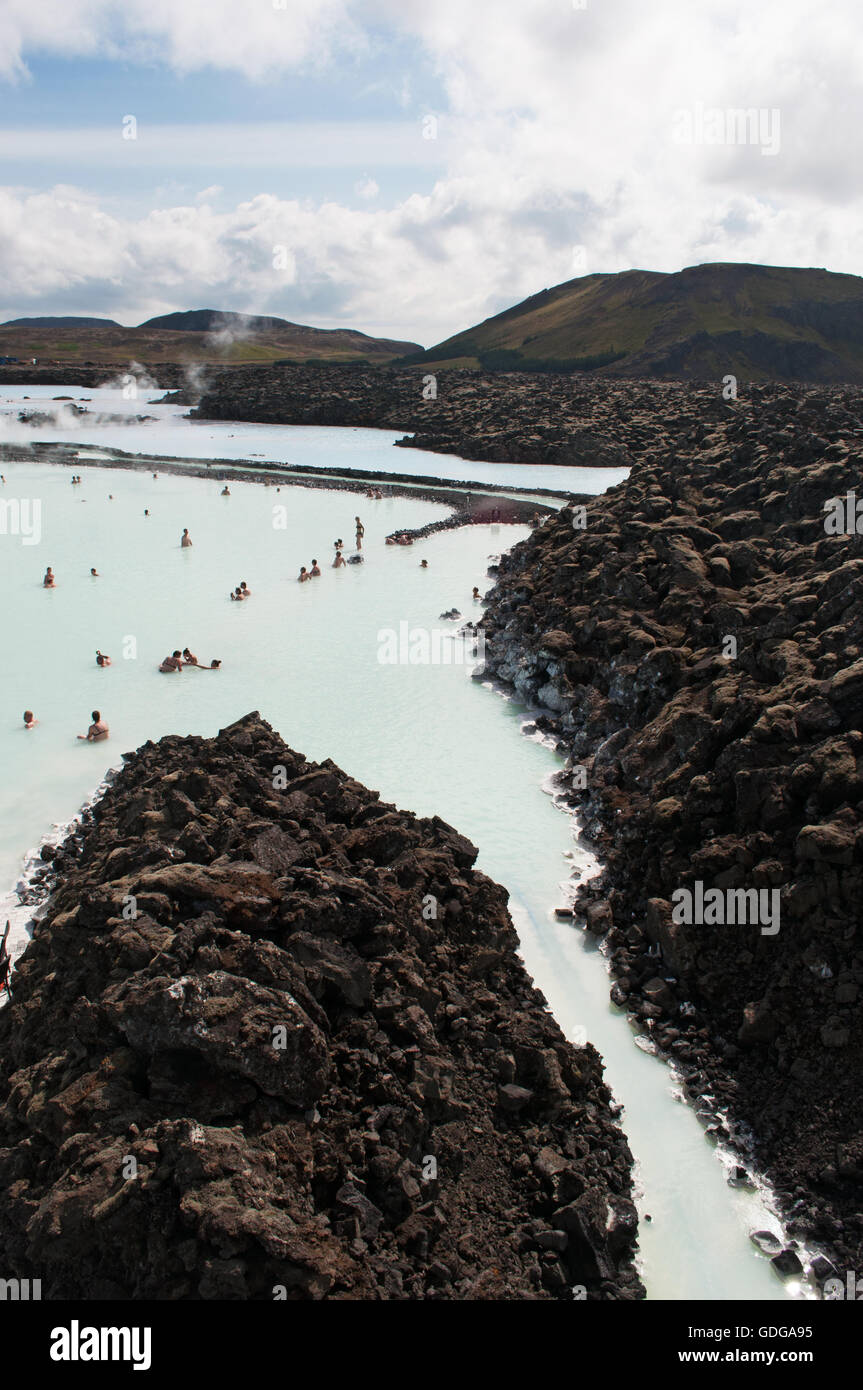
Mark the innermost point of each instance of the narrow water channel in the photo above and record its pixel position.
(308, 657)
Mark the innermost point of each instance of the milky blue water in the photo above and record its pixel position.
(307, 656)
(170, 432)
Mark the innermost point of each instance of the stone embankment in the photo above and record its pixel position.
(501, 417)
(169, 375)
(273, 1039)
(511, 417)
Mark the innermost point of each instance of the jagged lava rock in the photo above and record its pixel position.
(278, 1042)
(698, 649)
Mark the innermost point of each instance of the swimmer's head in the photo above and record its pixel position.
(28, 716)
(95, 716)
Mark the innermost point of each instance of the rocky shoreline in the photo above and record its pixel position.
(512, 417)
(272, 1039)
(566, 420)
(694, 639)
(171, 376)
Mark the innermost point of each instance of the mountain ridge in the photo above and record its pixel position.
(191, 335)
(758, 322)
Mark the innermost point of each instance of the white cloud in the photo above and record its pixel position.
(558, 134)
(420, 270)
(253, 37)
(252, 144)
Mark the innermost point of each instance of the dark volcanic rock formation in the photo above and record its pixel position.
(737, 766)
(514, 417)
(501, 417)
(273, 1035)
(170, 375)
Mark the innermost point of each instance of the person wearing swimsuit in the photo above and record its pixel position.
(97, 731)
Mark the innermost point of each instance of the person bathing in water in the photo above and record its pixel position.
(315, 571)
(361, 531)
(189, 659)
(339, 560)
(30, 720)
(97, 731)
(49, 582)
(94, 574)
(245, 590)
(174, 662)
(186, 539)
(303, 575)
(102, 659)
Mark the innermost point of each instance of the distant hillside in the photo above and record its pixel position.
(70, 321)
(196, 336)
(758, 322)
(218, 320)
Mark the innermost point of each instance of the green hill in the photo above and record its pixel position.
(758, 322)
(62, 321)
(194, 336)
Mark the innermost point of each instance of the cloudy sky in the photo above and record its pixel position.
(409, 167)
